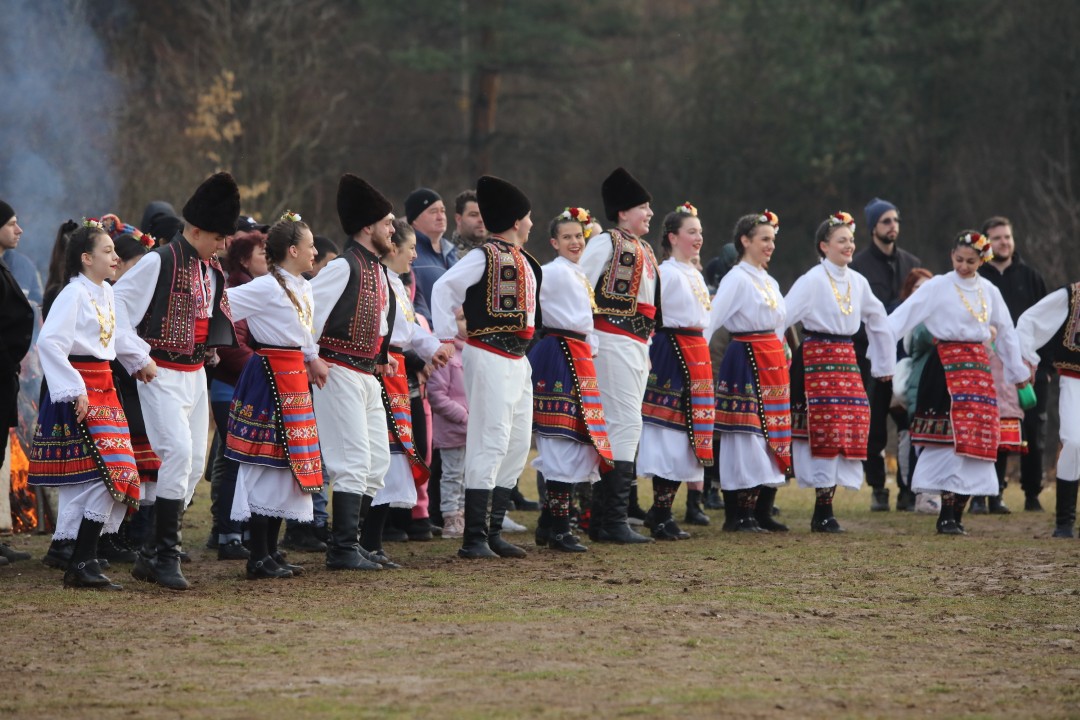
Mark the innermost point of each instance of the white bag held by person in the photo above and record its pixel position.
(900, 377)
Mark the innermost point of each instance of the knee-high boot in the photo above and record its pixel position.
(616, 503)
(474, 541)
(343, 550)
(1066, 508)
(500, 502)
(763, 511)
(166, 565)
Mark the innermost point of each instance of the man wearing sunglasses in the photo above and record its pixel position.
(885, 266)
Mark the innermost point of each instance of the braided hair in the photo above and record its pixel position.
(282, 235)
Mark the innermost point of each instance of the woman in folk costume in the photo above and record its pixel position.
(272, 432)
(956, 416)
(82, 443)
(623, 272)
(830, 414)
(407, 466)
(568, 419)
(678, 411)
(753, 410)
(1055, 320)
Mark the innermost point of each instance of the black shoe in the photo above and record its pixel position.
(212, 541)
(669, 530)
(266, 569)
(713, 501)
(566, 542)
(1032, 504)
(88, 575)
(379, 558)
(111, 548)
(950, 527)
(233, 550)
(748, 524)
(279, 558)
(59, 554)
(420, 530)
(520, 502)
(828, 525)
(978, 505)
(694, 514)
(1063, 531)
(997, 505)
(13, 555)
(880, 500)
(905, 500)
(542, 536)
(301, 537)
(394, 534)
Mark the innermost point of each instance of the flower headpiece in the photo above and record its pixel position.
(842, 218)
(769, 218)
(581, 215)
(92, 223)
(290, 216)
(687, 209)
(116, 227)
(979, 244)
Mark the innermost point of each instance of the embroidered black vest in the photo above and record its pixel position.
(169, 323)
(616, 291)
(1066, 342)
(496, 308)
(351, 333)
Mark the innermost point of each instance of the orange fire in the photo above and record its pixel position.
(24, 514)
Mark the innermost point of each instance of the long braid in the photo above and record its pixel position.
(284, 234)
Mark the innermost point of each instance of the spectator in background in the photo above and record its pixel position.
(425, 211)
(16, 329)
(469, 229)
(325, 251)
(1022, 287)
(885, 266)
(26, 274)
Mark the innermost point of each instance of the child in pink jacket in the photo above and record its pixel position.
(450, 417)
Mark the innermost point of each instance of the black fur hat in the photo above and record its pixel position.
(359, 204)
(215, 205)
(622, 191)
(501, 203)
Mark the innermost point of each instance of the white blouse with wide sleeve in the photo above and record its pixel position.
(812, 301)
(684, 295)
(272, 317)
(566, 299)
(747, 300)
(408, 334)
(81, 313)
(1040, 322)
(962, 310)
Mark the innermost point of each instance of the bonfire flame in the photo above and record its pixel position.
(24, 513)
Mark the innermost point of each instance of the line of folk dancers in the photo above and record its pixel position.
(601, 356)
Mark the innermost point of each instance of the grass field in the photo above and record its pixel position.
(889, 620)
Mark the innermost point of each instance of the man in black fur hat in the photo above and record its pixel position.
(354, 316)
(626, 280)
(497, 287)
(170, 313)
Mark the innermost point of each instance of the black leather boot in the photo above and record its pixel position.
(694, 514)
(763, 512)
(823, 520)
(946, 524)
(146, 554)
(301, 537)
(273, 530)
(501, 498)
(731, 510)
(372, 534)
(616, 503)
(59, 554)
(112, 548)
(1065, 518)
(635, 515)
(474, 543)
(261, 565)
(557, 506)
(343, 552)
(167, 544)
(879, 501)
(662, 524)
(83, 571)
(521, 502)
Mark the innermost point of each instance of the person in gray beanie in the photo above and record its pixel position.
(885, 266)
